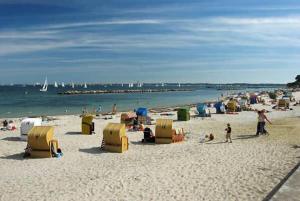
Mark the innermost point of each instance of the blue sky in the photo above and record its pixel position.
(215, 41)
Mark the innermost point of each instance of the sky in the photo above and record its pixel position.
(211, 41)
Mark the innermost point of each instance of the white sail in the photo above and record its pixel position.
(73, 85)
(139, 84)
(179, 85)
(62, 84)
(45, 86)
(55, 84)
(85, 86)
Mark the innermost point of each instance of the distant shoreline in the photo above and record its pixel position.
(84, 92)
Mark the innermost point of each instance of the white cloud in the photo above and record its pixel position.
(101, 23)
(179, 34)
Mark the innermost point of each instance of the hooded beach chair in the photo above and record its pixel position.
(142, 115)
(128, 118)
(283, 103)
(87, 124)
(202, 110)
(165, 134)
(231, 106)
(220, 108)
(253, 99)
(114, 138)
(41, 142)
(183, 114)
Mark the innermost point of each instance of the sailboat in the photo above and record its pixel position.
(45, 86)
(85, 86)
(179, 85)
(139, 84)
(62, 84)
(55, 84)
(72, 85)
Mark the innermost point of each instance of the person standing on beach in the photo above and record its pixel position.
(114, 109)
(228, 133)
(262, 118)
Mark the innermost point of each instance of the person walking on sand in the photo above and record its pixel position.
(262, 118)
(228, 133)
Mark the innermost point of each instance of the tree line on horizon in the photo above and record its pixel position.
(296, 83)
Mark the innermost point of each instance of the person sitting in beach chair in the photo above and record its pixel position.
(148, 135)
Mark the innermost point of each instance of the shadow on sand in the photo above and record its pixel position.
(73, 133)
(244, 137)
(12, 139)
(141, 143)
(296, 146)
(93, 150)
(18, 156)
(222, 142)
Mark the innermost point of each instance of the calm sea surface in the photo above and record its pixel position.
(19, 101)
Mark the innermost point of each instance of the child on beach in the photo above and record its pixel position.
(228, 133)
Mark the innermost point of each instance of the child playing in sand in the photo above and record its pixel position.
(228, 133)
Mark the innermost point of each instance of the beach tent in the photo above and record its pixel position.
(231, 106)
(202, 109)
(127, 118)
(141, 111)
(114, 137)
(165, 134)
(220, 108)
(27, 124)
(87, 124)
(183, 114)
(41, 142)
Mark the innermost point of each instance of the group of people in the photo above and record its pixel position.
(8, 125)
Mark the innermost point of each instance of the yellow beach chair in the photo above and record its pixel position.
(41, 142)
(87, 124)
(283, 103)
(231, 106)
(165, 134)
(114, 137)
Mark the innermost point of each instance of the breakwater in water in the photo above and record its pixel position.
(127, 91)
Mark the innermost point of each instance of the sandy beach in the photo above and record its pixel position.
(246, 169)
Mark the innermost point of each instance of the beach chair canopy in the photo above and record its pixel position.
(201, 108)
(114, 137)
(128, 115)
(183, 114)
(231, 106)
(41, 142)
(141, 111)
(39, 137)
(28, 123)
(163, 128)
(87, 126)
(253, 99)
(113, 133)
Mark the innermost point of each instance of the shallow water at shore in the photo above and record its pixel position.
(18, 101)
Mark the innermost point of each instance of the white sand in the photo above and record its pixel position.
(247, 169)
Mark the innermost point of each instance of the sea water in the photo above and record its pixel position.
(21, 101)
